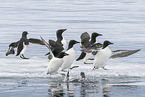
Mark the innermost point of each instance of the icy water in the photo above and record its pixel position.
(120, 21)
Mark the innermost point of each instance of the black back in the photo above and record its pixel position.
(21, 41)
(55, 47)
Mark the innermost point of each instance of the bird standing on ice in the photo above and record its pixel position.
(102, 56)
(22, 45)
(88, 45)
(68, 60)
(55, 63)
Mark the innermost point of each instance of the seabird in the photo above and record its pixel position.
(88, 46)
(22, 45)
(60, 41)
(82, 78)
(68, 60)
(102, 56)
(105, 53)
(55, 63)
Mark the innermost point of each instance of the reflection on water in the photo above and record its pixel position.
(83, 89)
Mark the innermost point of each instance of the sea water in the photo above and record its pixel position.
(121, 22)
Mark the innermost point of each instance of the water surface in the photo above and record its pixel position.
(121, 22)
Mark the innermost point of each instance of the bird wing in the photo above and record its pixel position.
(123, 53)
(55, 47)
(36, 41)
(47, 45)
(14, 44)
(11, 48)
(20, 47)
(83, 54)
(10, 51)
(85, 35)
(54, 44)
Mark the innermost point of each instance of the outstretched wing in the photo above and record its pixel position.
(83, 54)
(85, 37)
(54, 44)
(123, 53)
(47, 45)
(55, 47)
(11, 48)
(14, 44)
(36, 41)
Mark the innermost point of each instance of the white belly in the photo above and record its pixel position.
(64, 43)
(24, 49)
(68, 60)
(54, 65)
(101, 57)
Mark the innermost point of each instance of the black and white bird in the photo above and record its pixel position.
(57, 60)
(88, 45)
(68, 60)
(55, 47)
(55, 63)
(22, 45)
(105, 54)
(102, 56)
(58, 43)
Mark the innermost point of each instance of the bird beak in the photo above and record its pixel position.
(110, 43)
(100, 35)
(77, 42)
(64, 30)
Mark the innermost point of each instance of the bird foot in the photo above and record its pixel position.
(23, 57)
(87, 63)
(90, 59)
(105, 68)
(94, 68)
